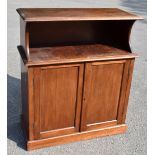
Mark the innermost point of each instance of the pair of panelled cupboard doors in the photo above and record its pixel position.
(76, 73)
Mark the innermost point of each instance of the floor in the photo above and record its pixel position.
(131, 143)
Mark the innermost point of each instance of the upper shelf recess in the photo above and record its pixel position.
(74, 14)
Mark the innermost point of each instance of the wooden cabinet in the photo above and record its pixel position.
(76, 70)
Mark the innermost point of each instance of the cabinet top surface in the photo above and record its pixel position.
(71, 14)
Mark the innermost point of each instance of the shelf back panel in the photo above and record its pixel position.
(47, 34)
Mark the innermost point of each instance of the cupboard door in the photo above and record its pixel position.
(58, 91)
(105, 92)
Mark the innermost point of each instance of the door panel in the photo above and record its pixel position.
(60, 100)
(102, 90)
(58, 97)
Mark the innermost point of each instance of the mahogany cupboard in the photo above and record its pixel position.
(76, 70)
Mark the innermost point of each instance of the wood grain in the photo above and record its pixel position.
(100, 125)
(24, 36)
(105, 89)
(58, 99)
(31, 145)
(36, 102)
(76, 73)
(102, 90)
(70, 14)
(81, 53)
(125, 91)
(30, 103)
(74, 26)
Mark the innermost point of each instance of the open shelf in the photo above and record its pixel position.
(76, 53)
(75, 35)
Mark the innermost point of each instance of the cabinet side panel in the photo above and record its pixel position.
(24, 36)
(24, 96)
(30, 104)
(22, 33)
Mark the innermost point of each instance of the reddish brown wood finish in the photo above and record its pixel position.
(24, 36)
(71, 14)
(58, 99)
(59, 27)
(80, 32)
(126, 83)
(102, 92)
(76, 73)
(107, 131)
(78, 53)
